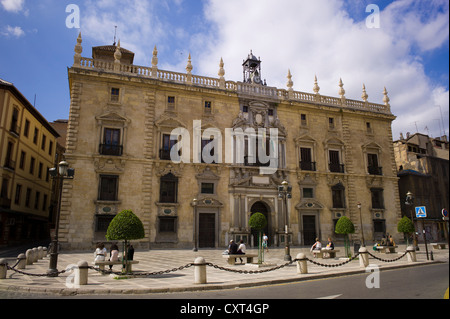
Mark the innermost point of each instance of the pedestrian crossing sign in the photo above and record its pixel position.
(421, 212)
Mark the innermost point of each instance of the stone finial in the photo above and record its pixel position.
(364, 94)
(155, 62)
(189, 65)
(221, 69)
(117, 57)
(289, 83)
(221, 74)
(386, 99)
(341, 90)
(316, 88)
(78, 50)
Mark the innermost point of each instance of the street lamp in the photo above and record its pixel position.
(60, 173)
(194, 204)
(284, 192)
(362, 227)
(410, 202)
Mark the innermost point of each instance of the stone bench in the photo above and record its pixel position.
(438, 246)
(386, 249)
(232, 258)
(102, 263)
(325, 253)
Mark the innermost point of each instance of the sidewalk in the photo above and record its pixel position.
(183, 280)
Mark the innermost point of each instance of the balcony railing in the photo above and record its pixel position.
(375, 170)
(336, 168)
(10, 164)
(308, 166)
(111, 150)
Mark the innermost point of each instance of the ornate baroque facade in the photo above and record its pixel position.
(333, 151)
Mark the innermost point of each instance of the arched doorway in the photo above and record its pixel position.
(261, 207)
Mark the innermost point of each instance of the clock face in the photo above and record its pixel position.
(256, 78)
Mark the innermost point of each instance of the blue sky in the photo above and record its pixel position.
(408, 53)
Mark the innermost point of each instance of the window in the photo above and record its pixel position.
(306, 162)
(377, 198)
(40, 170)
(36, 200)
(115, 93)
(167, 145)
(207, 188)
(26, 129)
(50, 148)
(331, 123)
(103, 223)
(111, 142)
(338, 195)
(168, 189)
(9, 163)
(44, 203)
(373, 167)
(245, 109)
(108, 188)
(335, 165)
(308, 192)
(22, 159)
(171, 102)
(44, 140)
(32, 164)
(167, 224)
(211, 152)
(14, 121)
(18, 194)
(207, 107)
(36, 135)
(4, 189)
(270, 112)
(28, 197)
(369, 128)
(303, 120)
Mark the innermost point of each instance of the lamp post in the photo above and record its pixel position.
(194, 204)
(60, 173)
(410, 202)
(284, 192)
(362, 227)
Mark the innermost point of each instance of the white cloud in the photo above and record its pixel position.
(13, 5)
(308, 37)
(10, 31)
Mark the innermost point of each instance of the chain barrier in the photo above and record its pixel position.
(388, 260)
(156, 273)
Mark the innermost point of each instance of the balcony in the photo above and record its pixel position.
(10, 164)
(308, 166)
(336, 168)
(375, 170)
(15, 129)
(111, 150)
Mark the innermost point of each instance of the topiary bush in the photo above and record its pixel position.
(406, 226)
(125, 226)
(345, 226)
(258, 222)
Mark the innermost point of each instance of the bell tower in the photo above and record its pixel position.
(252, 69)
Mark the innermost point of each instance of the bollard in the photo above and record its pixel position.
(411, 254)
(302, 267)
(199, 271)
(363, 257)
(35, 254)
(40, 252)
(21, 261)
(29, 256)
(3, 268)
(44, 252)
(81, 274)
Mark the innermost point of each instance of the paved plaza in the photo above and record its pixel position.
(174, 280)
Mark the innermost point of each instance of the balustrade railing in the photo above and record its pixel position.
(238, 87)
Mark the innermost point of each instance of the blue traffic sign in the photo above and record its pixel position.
(421, 212)
(445, 212)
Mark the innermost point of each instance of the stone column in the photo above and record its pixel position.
(200, 271)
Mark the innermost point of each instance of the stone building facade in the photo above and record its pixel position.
(27, 151)
(334, 152)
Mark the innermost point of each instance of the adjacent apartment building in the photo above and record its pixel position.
(423, 170)
(334, 153)
(27, 151)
